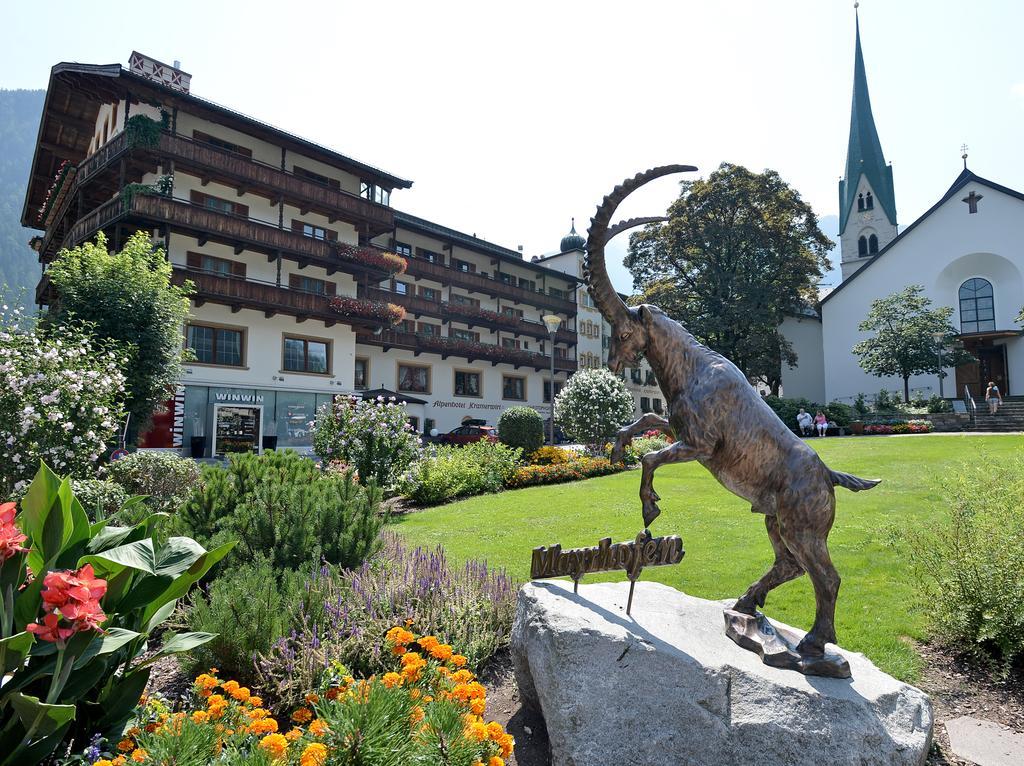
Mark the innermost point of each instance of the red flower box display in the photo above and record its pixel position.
(473, 312)
(367, 309)
(476, 350)
(371, 256)
(58, 190)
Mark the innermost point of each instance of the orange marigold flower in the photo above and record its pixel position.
(315, 754)
(257, 712)
(399, 636)
(477, 706)
(302, 715)
(477, 731)
(255, 701)
(495, 730)
(416, 715)
(150, 727)
(200, 716)
(398, 650)
(275, 745)
(312, 699)
(318, 728)
(206, 681)
(458, 660)
(462, 676)
(441, 652)
(391, 680)
(332, 693)
(134, 731)
(139, 755)
(428, 642)
(506, 743)
(263, 726)
(230, 686)
(241, 694)
(495, 761)
(415, 693)
(293, 734)
(103, 762)
(125, 745)
(120, 761)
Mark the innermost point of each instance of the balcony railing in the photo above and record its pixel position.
(246, 173)
(420, 306)
(422, 343)
(207, 223)
(471, 280)
(269, 297)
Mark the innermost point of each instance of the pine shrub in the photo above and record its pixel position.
(281, 504)
(521, 427)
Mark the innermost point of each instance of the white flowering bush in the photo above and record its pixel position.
(373, 436)
(60, 401)
(592, 406)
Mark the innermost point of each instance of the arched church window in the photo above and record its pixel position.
(872, 244)
(977, 310)
(860, 201)
(862, 246)
(869, 202)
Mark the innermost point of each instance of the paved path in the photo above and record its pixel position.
(984, 742)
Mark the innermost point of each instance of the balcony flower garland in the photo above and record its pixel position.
(477, 350)
(371, 256)
(473, 312)
(367, 309)
(57, 191)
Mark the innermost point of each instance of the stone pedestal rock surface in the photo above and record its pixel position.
(666, 686)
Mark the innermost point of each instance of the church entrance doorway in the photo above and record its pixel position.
(991, 365)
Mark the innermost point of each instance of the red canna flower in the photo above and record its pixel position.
(10, 536)
(72, 604)
(51, 629)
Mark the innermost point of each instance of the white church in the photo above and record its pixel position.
(967, 251)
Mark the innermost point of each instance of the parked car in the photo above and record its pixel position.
(469, 433)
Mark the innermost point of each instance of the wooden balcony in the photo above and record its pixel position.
(152, 211)
(211, 163)
(487, 285)
(240, 293)
(417, 306)
(419, 343)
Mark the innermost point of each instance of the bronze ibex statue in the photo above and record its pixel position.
(718, 419)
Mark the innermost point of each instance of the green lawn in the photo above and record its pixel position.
(726, 545)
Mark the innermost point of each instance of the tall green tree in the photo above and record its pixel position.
(19, 123)
(740, 251)
(126, 298)
(904, 342)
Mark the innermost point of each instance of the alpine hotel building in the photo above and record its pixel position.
(298, 263)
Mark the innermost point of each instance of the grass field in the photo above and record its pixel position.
(726, 545)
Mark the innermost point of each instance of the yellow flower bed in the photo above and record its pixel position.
(430, 703)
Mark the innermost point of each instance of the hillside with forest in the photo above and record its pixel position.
(19, 123)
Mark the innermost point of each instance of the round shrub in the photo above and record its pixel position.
(592, 407)
(99, 499)
(165, 479)
(521, 427)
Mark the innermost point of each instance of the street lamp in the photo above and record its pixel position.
(939, 338)
(552, 322)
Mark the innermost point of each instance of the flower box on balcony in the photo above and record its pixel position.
(367, 309)
(371, 257)
(59, 189)
(474, 313)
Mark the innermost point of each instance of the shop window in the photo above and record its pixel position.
(413, 379)
(215, 345)
(467, 383)
(306, 355)
(513, 388)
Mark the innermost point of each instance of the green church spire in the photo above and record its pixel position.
(864, 154)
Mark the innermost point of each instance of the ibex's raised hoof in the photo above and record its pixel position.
(651, 512)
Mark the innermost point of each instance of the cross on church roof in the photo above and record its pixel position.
(972, 201)
(963, 148)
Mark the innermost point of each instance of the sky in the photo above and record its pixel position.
(513, 118)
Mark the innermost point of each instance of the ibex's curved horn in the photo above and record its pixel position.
(632, 223)
(594, 270)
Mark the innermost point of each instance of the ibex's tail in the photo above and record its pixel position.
(851, 482)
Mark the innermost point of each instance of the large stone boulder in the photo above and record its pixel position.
(666, 686)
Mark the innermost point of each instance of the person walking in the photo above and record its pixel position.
(821, 423)
(993, 397)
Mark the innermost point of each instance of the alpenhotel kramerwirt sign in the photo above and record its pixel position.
(631, 556)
